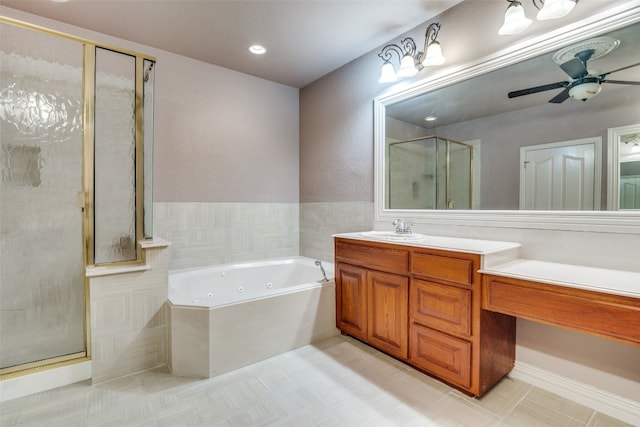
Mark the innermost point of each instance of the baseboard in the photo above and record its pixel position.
(602, 401)
(48, 379)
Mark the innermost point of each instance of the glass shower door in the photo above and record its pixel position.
(42, 297)
(411, 174)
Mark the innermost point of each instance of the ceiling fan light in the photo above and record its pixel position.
(585, 91)
(434, 55)
(407, 67)
(514, 20)
(554, 9)
(388, 73)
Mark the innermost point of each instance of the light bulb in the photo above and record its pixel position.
(434, 55)
(554, 9)
(514, 20)
(388, 74)
(407, 67)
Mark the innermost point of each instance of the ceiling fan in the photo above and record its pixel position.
(585, 84)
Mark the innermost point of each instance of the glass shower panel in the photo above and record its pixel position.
(42, 297)
(115, 157)
(148, 93)
(412, 167)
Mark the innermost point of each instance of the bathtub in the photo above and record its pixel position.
(228, 316)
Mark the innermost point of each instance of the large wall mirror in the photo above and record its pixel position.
(458, 147)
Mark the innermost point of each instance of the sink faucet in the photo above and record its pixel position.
(402, 227)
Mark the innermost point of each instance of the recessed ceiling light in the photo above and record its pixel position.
(430, 118)
(257, 49)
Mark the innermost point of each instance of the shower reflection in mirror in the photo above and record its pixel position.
(429, 172)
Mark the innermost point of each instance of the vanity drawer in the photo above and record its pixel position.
(458, 270)
(442, 307)
(374, 257)
(605, 315)
(440, 354)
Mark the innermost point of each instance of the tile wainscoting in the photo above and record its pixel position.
(320, 220)
(129, 319)
(203, 234)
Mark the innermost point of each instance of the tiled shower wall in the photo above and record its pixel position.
(204, 234)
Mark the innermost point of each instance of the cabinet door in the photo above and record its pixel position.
(388, 301)
(351, 300)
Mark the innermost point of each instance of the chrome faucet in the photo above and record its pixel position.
(402, 227)
(319, 264)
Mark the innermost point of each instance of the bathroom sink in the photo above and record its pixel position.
(392, 235)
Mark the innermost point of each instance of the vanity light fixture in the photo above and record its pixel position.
(515, 20)
(410, 59)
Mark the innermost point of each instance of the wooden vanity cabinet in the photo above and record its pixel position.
(423, 306)
(372, 303)
(451, 336)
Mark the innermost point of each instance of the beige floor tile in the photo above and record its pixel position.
(560, 405)
(339, 382)
(455, 410)
(502, 398)
(532, 413)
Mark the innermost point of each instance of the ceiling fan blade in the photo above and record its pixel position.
(561, 97)
(574, 68)
(620, 82)
(619, 69)
(537, 89)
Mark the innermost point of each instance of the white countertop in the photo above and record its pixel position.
(501, 259)
(475, 246)
(617, 282)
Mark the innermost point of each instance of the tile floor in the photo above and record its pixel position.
(337, 382)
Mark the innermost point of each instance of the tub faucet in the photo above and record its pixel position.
(319, 264)
(402, 227)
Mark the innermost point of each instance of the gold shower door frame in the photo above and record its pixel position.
(437, 165)
(86, 199)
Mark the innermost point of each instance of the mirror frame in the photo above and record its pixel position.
(627, 222)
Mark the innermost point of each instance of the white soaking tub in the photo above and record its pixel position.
(228, 316)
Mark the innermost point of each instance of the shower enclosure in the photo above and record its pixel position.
(429, 172)
(42, 264)
(71, 196)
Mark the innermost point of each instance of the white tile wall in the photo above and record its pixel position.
(129, 319)
(320, 220)
(204, 234)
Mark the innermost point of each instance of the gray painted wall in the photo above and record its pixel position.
(223, 136)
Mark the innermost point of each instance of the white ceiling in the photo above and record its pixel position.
(305, 39)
